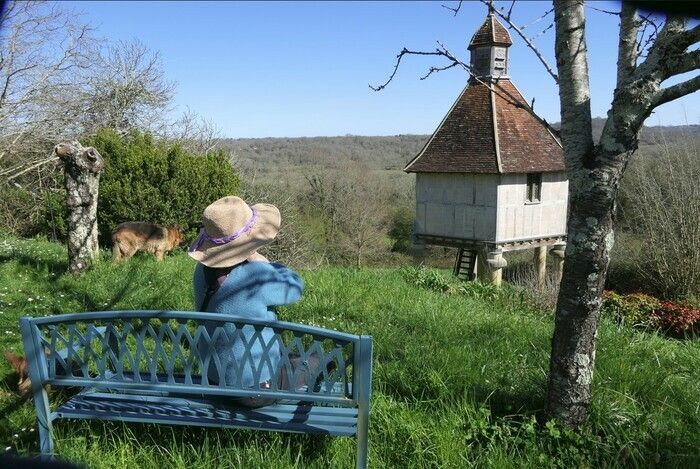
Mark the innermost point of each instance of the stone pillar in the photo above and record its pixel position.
(541, 265)
(558, 255)
(492, 265)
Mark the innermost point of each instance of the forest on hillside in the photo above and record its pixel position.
(270, 155)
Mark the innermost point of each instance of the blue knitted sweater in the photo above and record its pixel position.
(250, 291)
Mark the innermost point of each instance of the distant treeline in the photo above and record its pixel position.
(390, 153)
(377, 153)
(648, 135)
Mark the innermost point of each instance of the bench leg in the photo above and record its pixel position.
(45, 430)
(361, 460)
(37, 370)
(362, 389)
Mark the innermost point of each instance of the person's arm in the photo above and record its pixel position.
(275, 284)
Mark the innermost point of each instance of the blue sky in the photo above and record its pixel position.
(289, 69)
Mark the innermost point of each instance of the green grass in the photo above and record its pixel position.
(459, 376)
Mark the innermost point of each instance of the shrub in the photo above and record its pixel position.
(427, 278)
(294, 244)
(661, 202)
(157, 182)
(633, 310)
(354, 225)
(17, 214)
(676, 320)
(401, 228)
(54, 216)
(644, 311)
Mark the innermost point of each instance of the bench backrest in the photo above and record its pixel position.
(169, 351)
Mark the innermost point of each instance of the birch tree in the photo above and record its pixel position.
(595, 169)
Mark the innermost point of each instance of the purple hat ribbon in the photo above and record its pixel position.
(203, 236)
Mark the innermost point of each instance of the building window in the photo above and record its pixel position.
(499, 61)
(480, 61)
(534, 188)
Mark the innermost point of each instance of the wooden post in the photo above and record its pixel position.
(541, 265)
(482, 268)
(558, 254)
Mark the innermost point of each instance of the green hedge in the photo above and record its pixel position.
(153, 181)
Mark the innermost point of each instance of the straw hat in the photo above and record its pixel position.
(232, 231)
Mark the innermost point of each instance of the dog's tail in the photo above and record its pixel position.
(17, 362)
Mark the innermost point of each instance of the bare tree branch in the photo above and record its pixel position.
(30, 168)
(665, 95)
(685, 63)
(609, 12)
(442, 51)
(432, 70)
(400, 56)
(627, 51)
(540, 18)
(688, 37)
(510, 10)
(667, 56)
(454, 10)
(645, 40)
(528, 41)
(195, 133)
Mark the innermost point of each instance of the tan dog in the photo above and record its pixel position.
(133, 236)
(21, 366)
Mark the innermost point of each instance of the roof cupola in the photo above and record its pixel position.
(489, 49)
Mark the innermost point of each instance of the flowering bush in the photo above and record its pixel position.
(632, 310)
(677, 320)
(646, 312)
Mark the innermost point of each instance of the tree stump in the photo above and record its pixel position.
(82, 168)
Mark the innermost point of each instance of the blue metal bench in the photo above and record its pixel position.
(146, 366)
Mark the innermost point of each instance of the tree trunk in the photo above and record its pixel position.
(594, 174)
(589, 224)
(590, 239)
(82, 179)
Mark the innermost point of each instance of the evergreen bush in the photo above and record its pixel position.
(152, 181)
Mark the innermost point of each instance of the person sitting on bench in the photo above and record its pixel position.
(232, 278)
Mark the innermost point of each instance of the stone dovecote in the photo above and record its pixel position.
(492, 177)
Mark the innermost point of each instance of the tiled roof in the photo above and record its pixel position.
(491, 32)
(464, 140)
(469, 140)
(526, 145)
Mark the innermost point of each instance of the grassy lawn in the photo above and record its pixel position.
(459, 380)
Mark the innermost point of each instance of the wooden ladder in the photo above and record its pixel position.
(464, 265)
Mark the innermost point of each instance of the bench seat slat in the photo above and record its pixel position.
(198, 390)
(278, 417)
(194, 403)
